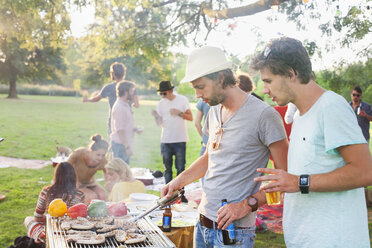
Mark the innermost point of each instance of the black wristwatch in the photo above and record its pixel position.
(304, 183)
(253, 203)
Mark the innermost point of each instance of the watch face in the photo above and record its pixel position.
(304, 181)
(252, 201)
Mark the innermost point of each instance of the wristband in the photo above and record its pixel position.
(180, 115)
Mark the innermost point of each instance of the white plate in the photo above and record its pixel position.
(143, 197)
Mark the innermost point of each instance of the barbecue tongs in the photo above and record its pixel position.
(164, 201)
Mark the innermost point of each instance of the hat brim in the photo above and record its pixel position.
(166, 90)
(191, 77)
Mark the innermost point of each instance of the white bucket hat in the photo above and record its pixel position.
(204, 61)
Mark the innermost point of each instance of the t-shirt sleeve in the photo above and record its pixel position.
(271, 127)
(368, 110)
(158, 109)
(205, 129)
(340, 125)
(105, 91)
(199, 105)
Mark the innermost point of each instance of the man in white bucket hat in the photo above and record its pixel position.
(243, 131)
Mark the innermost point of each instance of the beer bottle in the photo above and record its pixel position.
(228, 235)
(167, 219)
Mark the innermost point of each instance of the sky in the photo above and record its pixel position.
(242, 41)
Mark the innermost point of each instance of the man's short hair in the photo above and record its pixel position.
(123, 87)
(118, 70)
(358, 89)
(245, 82)
(283, 54)
(229, 78)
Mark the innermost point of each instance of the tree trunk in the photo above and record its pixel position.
(12, 89)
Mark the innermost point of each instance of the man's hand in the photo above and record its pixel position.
(281, 181)
(138, 130)
(175, 111)
(230, 212)
(154, 113)
(170, 188)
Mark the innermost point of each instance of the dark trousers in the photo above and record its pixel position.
(118, 151)
(168, 150)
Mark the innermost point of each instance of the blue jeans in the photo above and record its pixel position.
(212, 238)
(168, 150)
(118, 151)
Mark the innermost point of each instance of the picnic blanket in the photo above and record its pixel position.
(272, 217)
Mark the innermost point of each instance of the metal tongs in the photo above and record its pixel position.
(162, 202)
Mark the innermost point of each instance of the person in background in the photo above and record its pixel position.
(201, 112)
(122, 123)
(242, 131)
(86, 162)
(171, 113)
(362, 110)
(329, 161)
(120, 182)
(246, 84)
(117, 72)
(63, 187)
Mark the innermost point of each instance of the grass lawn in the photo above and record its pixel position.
(33, 125)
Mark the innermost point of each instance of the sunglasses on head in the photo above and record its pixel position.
(357, 95)
(163, 93)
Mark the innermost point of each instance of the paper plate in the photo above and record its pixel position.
(143, 197)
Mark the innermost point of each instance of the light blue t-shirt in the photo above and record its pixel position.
(203, 107)
(324, 219)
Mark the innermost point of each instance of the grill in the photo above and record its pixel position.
(56, 237)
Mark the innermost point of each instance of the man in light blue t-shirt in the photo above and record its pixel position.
(329, 161)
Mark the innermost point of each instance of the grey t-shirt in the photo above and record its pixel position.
(243, 148)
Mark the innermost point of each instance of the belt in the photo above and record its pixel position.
(208, 223)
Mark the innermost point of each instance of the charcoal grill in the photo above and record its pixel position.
(56, 237)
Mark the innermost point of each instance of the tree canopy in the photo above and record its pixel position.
(36, 46)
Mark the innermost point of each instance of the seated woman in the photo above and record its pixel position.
(86, 162)
(64, 187)
(120, 182)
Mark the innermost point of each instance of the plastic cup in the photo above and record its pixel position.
(272, 198)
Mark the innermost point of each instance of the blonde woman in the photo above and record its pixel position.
(120, 182)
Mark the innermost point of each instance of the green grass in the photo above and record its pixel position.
(34, 125)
